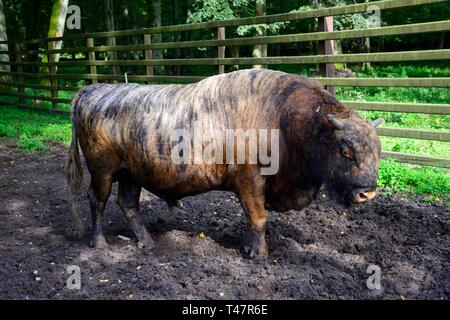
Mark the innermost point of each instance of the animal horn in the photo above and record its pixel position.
(376, 122)
(337, 123)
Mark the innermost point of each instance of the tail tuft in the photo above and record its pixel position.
(74, 174)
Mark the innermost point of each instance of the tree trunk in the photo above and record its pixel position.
(32, 24)
(130, 22)
(135, 26)
(442, 41)
(111, 41)
(3, 47)
(56, 29)
(175, 21)
(190, 51)
(157, 37)
(235, 54)
(260, 50)
(366, 48)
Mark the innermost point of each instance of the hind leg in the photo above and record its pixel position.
(102, 167)
(128, 200)
(98, 194)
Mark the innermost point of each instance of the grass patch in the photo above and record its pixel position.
(33, 129)
(419, 180)
(48, 104)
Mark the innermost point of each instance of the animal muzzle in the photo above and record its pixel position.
(362, 195)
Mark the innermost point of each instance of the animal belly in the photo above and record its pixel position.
(178, 180)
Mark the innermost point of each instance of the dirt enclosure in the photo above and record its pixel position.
(321, 252)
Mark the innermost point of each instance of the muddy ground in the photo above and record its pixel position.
(321, 252)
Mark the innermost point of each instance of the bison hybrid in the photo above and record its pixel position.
(125, 133)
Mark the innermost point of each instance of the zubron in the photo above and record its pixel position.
(124, 131)
(199, 310)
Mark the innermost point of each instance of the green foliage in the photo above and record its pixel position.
(410, 71)
(30, 144)
(212, 10)
(392, 94)
(410, 120)
(32, 129)
(421, 180)
(416, 146)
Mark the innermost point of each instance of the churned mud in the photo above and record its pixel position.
(322, 252)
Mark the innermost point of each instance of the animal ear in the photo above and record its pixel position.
(376, 122)
(336, 122)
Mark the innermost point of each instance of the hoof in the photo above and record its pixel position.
(254, 245)
(147, 244)
(145, 241)
(99, 242)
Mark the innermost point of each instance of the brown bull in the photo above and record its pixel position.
(124, 131)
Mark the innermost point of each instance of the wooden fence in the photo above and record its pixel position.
(20, 78)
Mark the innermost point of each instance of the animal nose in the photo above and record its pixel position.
(363, 196)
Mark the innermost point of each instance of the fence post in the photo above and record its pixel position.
(148, 56)
(221, 49)
(326, 47)
(91, 57)
(20, 87)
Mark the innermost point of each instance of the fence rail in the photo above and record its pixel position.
(49, 77)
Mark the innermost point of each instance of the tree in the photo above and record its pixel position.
(130, 21)
(111, 41)
(157, 37)
(3, 47)
(56, 29)
(260, 50)
(135, 25)
(175, 21)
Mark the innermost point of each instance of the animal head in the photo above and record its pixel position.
(352, 158)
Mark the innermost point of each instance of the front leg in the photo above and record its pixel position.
(250, 188)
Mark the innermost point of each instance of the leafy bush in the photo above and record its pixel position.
(30, 144)
(421, 180)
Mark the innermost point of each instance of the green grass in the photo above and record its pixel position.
(32, 129)
(48, 104)
(420, 180)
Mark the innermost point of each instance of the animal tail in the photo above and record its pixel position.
(74, 173)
